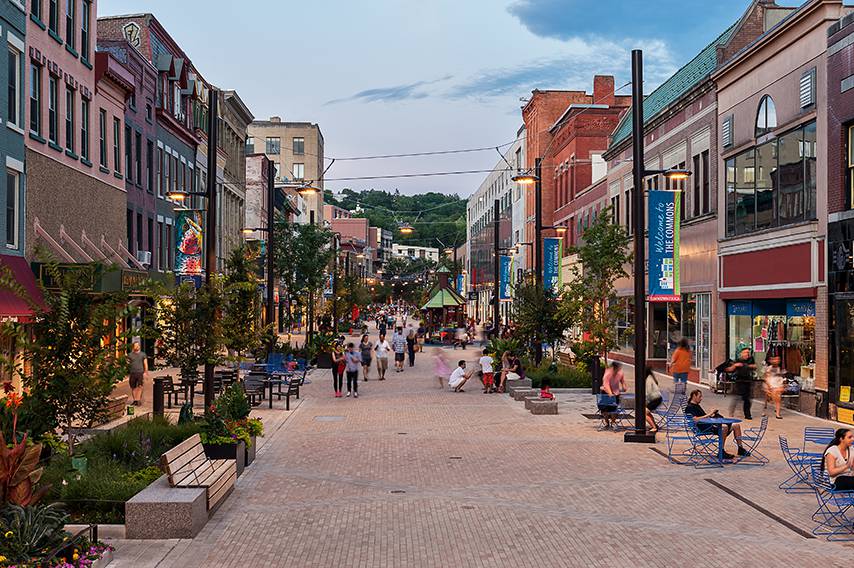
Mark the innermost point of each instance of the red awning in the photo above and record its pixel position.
(13, 308)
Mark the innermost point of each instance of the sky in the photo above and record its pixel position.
(402, 76)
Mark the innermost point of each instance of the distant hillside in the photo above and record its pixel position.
(442, 217)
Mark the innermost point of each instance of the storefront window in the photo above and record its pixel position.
(658, 331)
(689, 324)
(773, 184)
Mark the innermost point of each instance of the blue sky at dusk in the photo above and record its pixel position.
(392, 76)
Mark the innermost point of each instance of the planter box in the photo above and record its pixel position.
(250, 452)
(228, 452)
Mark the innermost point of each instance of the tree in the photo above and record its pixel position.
(302, 255)
(241, 312)
(591, 297)
(538, 318)
(192, 333)
(75, 355)
(353, 293)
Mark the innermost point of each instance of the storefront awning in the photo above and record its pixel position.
(12, 307)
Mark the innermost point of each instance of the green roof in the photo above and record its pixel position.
(685, 79)
(443, 298)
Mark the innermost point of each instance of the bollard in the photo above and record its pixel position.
(158, 396)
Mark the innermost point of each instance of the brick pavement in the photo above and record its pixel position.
(410, 475)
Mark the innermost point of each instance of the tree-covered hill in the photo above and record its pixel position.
(434, 215)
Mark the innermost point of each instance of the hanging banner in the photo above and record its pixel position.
(188, 259)
(504, 278)
(327, 287)
(664, 246)
(552, 254)
(460, 283)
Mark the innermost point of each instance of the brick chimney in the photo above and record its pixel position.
(603, 90)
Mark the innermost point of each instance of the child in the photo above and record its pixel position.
(545, 391)
(488, 374)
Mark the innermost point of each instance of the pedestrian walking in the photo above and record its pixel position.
(680, 362)
(743, 368)
(338, 367)
(353, 361)
(411, 340)
(653, 399)
(442, 369)
(366, 349)
(138, 372)
(382, 348)
(398, 345)
(774, 384)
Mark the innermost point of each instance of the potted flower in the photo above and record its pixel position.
(221, 442)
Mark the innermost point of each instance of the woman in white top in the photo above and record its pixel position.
(774, 384)
(653, 398)
(839, 461)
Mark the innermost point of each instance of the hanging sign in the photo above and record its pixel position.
(188, 259)
(664, 246)
(552, 254)
(504, 278)
(460, 283)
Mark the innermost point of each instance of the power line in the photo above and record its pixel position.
(426, 174)
(416, 154)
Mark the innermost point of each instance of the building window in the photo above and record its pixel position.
(69, 22)
(726, 132)
(149, 166)
(299, 171)
(132, 100)
(850, 163)
(160, 173)
(36, 9)
(84, 128)
(13, 113)
(53, 16)
(148, 115)
(85, 17)
(766, 117)
(250, 145)
(806, 89)
(52, 117)
(117, 145)
(13, 181)
(299, 145)
(772, 184)
(128, 153)
(35, 99)
(161, 262)
(102, 137)
(273, 145)
(69, 119)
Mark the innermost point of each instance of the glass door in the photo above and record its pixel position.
(704, 335)
(845, 349)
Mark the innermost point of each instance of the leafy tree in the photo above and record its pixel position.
(590, 297)
(242, 308)
(192, 333)
(538, 318)
(74, 354)
(353, 293)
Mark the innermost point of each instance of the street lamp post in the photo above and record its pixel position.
(496, 313)
(640, 433)
(335, 238)
(210, 243)
(270, 315)
(538, 221)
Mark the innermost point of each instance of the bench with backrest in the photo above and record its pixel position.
(253, 386)
(186, 465)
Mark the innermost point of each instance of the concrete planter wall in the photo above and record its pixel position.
(250, 451)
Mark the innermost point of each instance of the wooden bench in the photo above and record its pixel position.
(186, 465)
(293, 390)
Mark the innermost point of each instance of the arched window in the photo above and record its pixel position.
(766, 118)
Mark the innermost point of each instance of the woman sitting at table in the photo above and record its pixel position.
(696, 412)
(839, 461)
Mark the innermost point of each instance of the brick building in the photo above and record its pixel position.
(840, 207)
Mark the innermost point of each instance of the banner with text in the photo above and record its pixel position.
(664, 213)
(552, 254)
(189, 241)
(504, 278)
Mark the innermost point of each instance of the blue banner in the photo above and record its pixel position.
(460, 283)
(504, 278)
(664, 246)
(552, 254)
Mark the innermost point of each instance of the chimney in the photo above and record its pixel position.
(279, 118)
(603, 90)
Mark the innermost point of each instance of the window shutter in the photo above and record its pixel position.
(807, 88)
(726, 132)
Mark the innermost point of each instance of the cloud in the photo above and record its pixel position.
(680, 21)
(391, 94)
(574, 69)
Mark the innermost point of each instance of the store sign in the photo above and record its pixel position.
(133, 279)
(739, 309)
(504, 278)
(796, 308)
(188, 259)
(552, 254)
(664, 246)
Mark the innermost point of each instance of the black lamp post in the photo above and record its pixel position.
(640, 433)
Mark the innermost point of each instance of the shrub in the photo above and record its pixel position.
(233, 404)
(559, 376)
(496, 347)
(29, 532)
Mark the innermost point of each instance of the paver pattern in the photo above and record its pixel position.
(410, 475)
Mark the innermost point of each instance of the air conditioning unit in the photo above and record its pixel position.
(144, 257)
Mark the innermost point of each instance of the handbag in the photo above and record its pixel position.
(341, 366)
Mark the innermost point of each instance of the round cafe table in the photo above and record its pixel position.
(721, 421)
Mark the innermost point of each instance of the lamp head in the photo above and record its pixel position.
(675, 174)
(177, 195)
(525, 178)
(405, 229)
(561, 230)
(308, 190)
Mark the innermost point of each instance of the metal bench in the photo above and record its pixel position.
(186, 465)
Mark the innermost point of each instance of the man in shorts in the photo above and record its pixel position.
(488, 373)
(459, 377)
(398, 345)
(138, 370)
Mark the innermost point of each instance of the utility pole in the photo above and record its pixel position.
(210, 242)
(496, 251)
(538, 221)
(335, 237)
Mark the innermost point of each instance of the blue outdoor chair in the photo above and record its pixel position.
(676, 432)
(818, 435)
(800, 463)
(832, 514)
(750, 439)
(704, 445)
